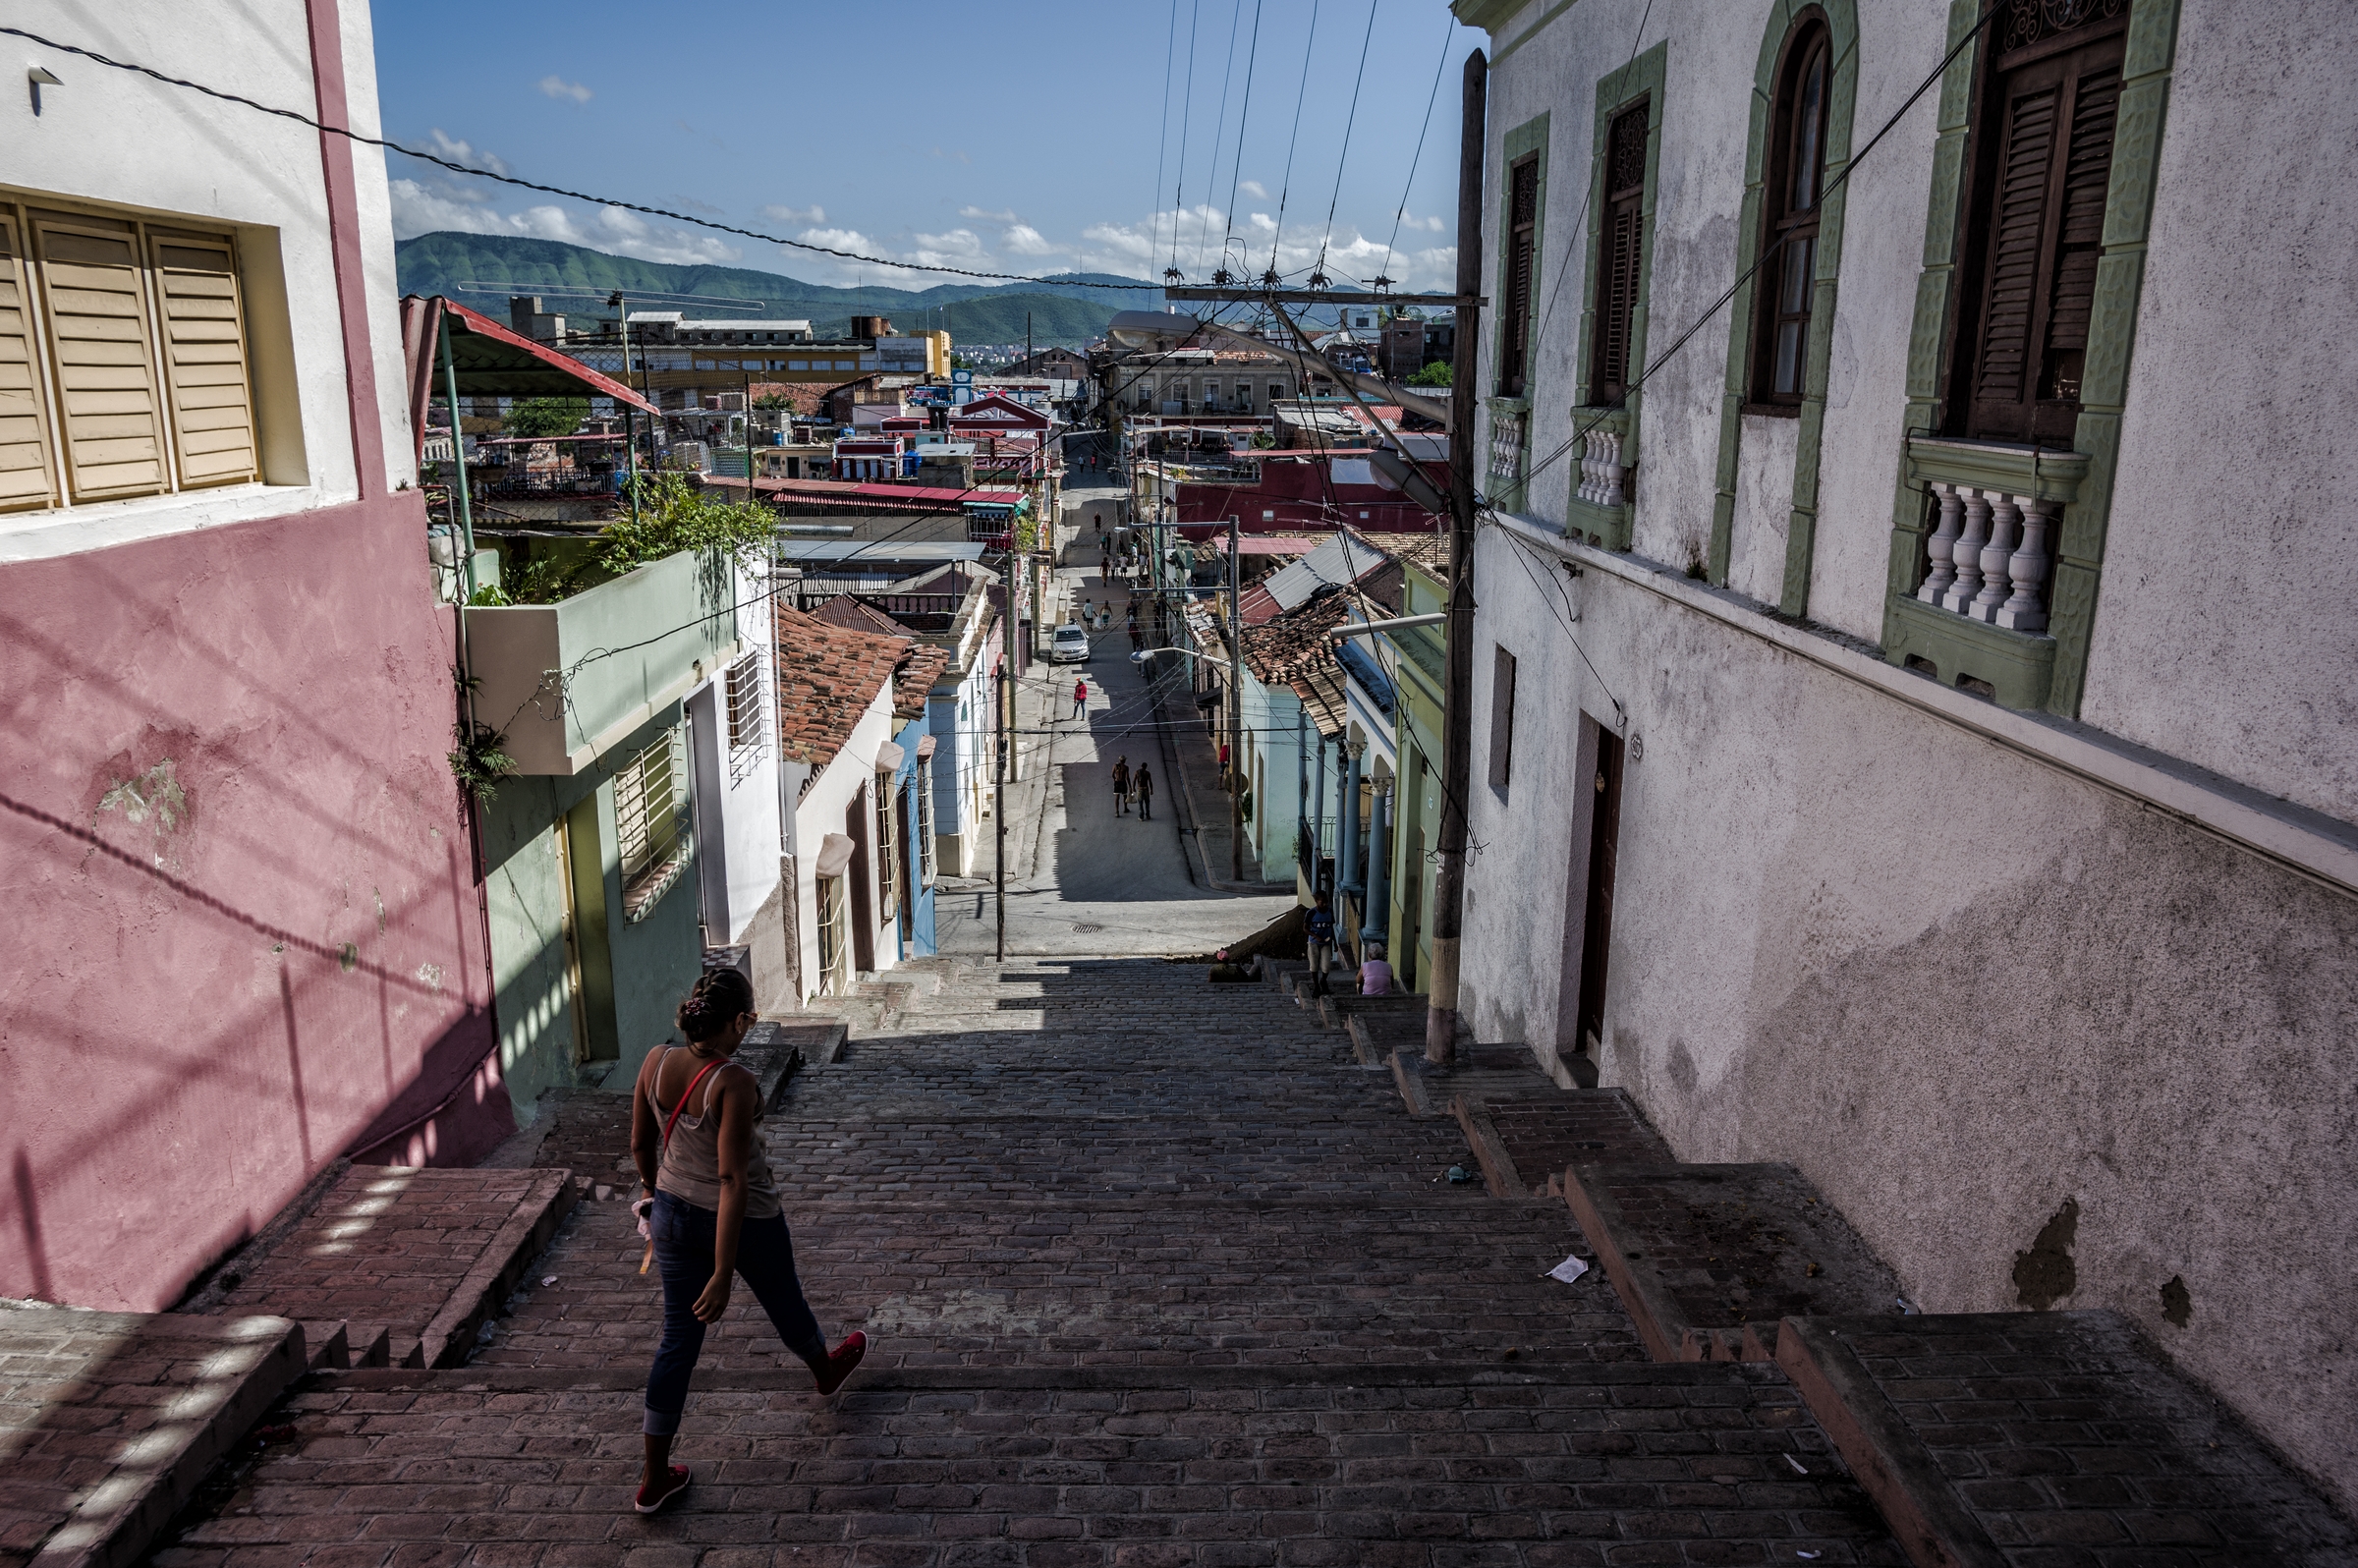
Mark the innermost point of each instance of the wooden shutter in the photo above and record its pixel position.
(205, 358)
(1623, 247)
(104, 356)
(25, 476)
(2042, 234)
(1523, 208)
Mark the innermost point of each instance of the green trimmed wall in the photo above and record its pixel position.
(2152, 48)
(1642, 78)
(1842, 25)
(1531, 136)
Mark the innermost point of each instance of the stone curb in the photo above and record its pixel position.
(449, 1336)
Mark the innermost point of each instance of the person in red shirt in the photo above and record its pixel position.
(1079, 698)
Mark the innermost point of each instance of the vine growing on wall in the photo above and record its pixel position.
(480, 760)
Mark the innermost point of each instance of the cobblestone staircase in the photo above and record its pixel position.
(1157, 1272)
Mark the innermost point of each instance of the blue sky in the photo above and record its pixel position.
(1020, 136)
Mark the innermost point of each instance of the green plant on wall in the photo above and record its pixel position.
(1438, 374)
(675, 514)
(479, 761)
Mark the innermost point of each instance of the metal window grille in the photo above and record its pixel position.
(748, 725)
(888, 844)
(924, 823)
(651, 822)
(833, 976)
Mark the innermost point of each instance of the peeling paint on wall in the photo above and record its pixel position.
(153, 800)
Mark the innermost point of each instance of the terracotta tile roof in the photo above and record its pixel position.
(826, 679)
(850, 614)
(915, 678)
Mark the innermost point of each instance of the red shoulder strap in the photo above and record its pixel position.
(685, 1095)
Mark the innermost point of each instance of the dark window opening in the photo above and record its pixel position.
(1796, 178)
(2041, 160)
(1621, 246)
(1502, 717)
(1522, 224)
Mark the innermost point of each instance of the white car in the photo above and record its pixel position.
(1070, 646)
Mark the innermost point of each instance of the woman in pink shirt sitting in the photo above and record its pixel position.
(1375, 975)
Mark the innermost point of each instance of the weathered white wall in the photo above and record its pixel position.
(821, 811)
(1956, 985)
(750, 804)
(2226, 632)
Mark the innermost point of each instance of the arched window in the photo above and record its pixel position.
(1796, 178)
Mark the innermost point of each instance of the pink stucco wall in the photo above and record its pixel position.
(237, 902)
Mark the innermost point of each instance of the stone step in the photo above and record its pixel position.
(1701, 1252)
(2005, 1439)
(110, 1419)
(425, 1254)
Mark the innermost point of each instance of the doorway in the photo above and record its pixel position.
(1597, 924)
(590, 958)
(862, 907)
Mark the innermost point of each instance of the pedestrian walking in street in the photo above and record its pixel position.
(1375, 975)
(1321, 943)
(1079, 698)
(1224, 783)
(1121, 786)
(711, 1214)
(1143, 786)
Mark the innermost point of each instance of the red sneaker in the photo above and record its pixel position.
(840, 1361)
(674, 1482)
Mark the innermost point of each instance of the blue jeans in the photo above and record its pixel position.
(683, 1235)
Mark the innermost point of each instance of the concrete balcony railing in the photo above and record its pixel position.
(1983, 588)
(569, 681)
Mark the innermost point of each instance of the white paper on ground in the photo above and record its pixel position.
(1569, 1270)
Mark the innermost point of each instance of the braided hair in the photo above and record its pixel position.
(717, 1000)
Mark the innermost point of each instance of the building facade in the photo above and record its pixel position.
(243, 900)
(1893, 766)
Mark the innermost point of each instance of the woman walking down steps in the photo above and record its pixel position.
(711, 1212)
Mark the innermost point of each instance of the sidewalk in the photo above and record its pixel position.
(1202, 804)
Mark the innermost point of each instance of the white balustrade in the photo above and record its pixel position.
(1507, 439)
(1601, 468)
(1988, 556)
(1965, 555)
(2027, 568)
(1940, 548)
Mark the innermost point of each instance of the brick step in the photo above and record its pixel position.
(1700, 1253)
(2007, 1440)
(110, 1421)
(425, 1257)
(1450, 1464)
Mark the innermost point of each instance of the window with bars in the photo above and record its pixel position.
(2041, 159)
(651, 822)
(124, 369)
(834, 947)
(924, 823)
(1622, 247)
(1522, 227)
(748, 725)
(1783, 290)
(888, 846)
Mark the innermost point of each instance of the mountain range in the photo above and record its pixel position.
(480, 271)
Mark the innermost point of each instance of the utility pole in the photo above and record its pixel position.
(630, 421)
(1006, 701)
(1457, 723)
(1236, 709)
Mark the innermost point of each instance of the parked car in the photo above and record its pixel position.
(1070, 646)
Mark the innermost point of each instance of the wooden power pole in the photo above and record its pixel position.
(1006, 707)
(1457, 723)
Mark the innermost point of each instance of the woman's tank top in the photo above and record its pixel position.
(691, 1164)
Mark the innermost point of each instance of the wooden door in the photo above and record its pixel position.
(903, 832)
(1597, 932)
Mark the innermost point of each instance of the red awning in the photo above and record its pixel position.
(490, 361)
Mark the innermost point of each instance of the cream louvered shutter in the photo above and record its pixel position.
(26, 479)
(104, 356)
(204, 357)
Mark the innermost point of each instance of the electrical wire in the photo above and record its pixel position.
(1244, 121)
(455, 167)
(1187, 101)
(1770, 251)
(1163, 146)
(1302, 92)
(1219, 132)
(1448, 32)
(1343, 159)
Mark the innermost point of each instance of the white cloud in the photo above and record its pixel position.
(839, 240)
(467, 152)
(1255, 190)
(1432, 225)
(954, 155)
(982, 215)
(1144, 248)
(557, 87)
(420, 210)
(813, 213)
(1025, 239)
(689, 203)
